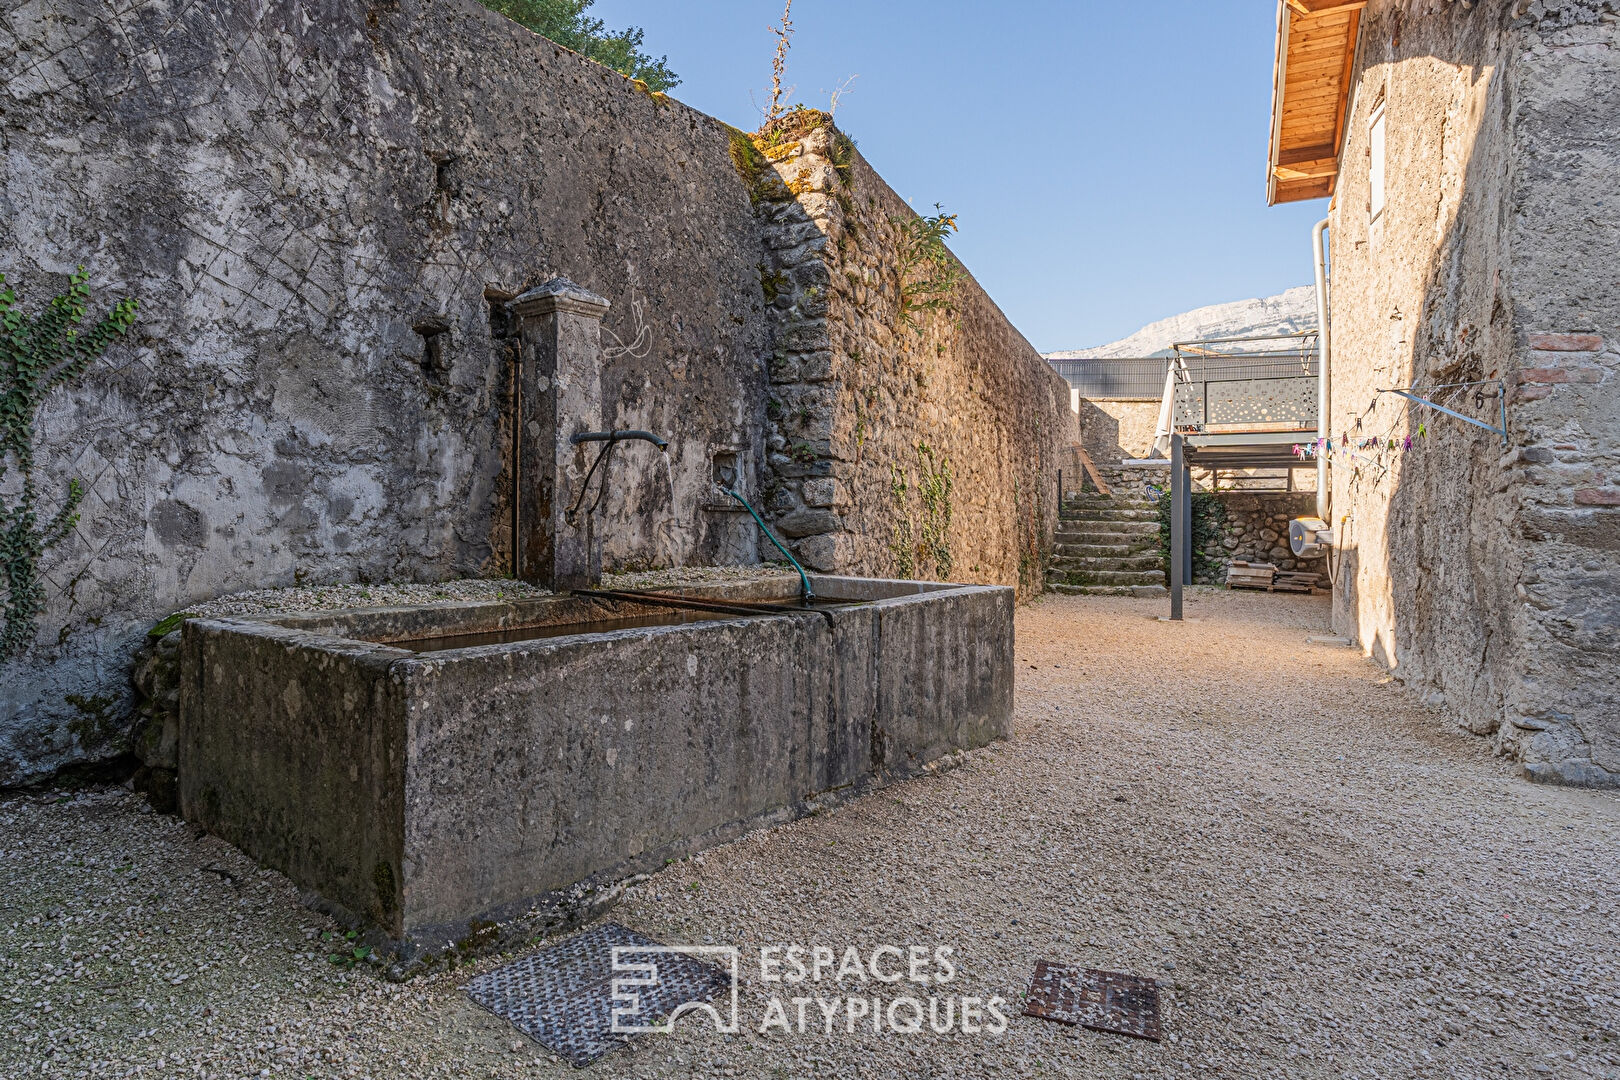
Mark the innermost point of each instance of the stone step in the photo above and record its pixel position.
(1105, 532)
(1106, 502)
(1110, 590)
(1113, 513)
(1092, 564)
(1105, 577)
(1106, 551)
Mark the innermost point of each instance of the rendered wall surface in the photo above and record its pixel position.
(300, 194)
(1113, 431)
(1486, 577)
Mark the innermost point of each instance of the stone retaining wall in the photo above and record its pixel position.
(925, 446)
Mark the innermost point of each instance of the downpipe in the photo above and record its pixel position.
(1325, 353)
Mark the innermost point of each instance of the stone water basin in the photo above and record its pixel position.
(460, 775)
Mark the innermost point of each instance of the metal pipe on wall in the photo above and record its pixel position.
(1324, 352)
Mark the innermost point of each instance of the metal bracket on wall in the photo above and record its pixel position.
(1499, 429)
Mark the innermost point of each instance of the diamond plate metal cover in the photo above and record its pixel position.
(1100, 1000)
(565, 996)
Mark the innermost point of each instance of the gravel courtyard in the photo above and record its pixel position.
(1325, 878)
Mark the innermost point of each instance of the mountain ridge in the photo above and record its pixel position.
(1287, 312)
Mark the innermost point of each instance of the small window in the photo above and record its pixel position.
(1375, 171)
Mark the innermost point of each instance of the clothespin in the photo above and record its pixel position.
(1408, 444)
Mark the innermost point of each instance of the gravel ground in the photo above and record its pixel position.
(1326, 879)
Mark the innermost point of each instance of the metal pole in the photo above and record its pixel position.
(1178, 533)
(1060, 493)
(1186, 521)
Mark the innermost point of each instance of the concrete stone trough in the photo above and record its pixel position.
(461, 775)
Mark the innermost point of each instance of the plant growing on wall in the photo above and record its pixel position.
(565, 22)
(36, 356)
(783, 34)
(922, 534)
(1208, 518)
(929, 273)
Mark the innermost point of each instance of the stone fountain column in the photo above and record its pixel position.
(559, 392)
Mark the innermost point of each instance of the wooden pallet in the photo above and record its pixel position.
(1296, 581)
(1250, 575)
(1265, 576)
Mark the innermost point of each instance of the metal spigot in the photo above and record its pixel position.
(620, 436)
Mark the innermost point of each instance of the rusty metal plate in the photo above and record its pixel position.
(588, 995)
(1109, 1001)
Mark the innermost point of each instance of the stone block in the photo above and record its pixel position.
(825, 491)
(827, 552)
(1566, 342)
(808, 522)
(1606, 496)
(375, 775)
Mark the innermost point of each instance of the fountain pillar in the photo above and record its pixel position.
(559, 394)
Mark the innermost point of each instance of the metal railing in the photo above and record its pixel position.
(1133, 378)
(1263, 383)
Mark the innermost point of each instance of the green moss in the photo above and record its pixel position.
(97, 723)
(480, 933)
(749, 162)
(167, 626)
(773, 283)
(382, 877)
(921, 540)
(659, 98)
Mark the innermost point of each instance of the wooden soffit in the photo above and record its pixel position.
(1316, 47)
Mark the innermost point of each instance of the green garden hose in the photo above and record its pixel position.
(803, 577)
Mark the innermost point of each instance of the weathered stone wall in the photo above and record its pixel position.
(897, 450)
(305, 197)
(1256, 530)
(1487, 579)
(323, 209)
(1113, 431)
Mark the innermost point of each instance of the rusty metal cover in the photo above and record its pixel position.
(565, 996)
(1109, 1001)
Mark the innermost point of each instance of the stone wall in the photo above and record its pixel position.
(323, 209)
(926, 447)
(1256, 530)
(1487, 578)
(1114, 430)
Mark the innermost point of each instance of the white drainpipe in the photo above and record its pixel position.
(1320, 249)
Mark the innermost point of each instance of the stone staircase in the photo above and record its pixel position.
(1107, 545)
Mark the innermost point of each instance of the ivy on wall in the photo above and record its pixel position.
(1208, 518)
(922, 544)
(37, 355)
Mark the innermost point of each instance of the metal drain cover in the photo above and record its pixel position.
(1100, 1000)
(566, 998)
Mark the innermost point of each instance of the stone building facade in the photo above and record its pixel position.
(323, 210)
(1473, 230)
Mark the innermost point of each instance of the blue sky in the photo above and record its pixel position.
(1107, 159)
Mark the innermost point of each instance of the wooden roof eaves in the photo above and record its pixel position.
(1326, 104)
